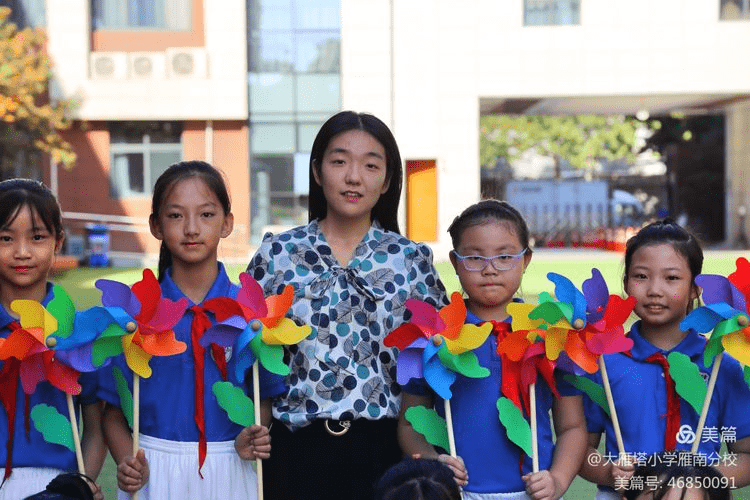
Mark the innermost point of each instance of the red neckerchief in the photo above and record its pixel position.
(199, 325)
(673, 401)
(9, 376)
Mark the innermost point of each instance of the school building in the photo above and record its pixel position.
(245, 84)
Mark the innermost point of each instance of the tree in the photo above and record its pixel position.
(581, 140)
(29, 123)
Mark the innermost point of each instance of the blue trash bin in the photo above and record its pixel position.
(97, 237)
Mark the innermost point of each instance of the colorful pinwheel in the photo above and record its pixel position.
(436, 345)
(256, 327)
(26, 356)
(583, 325)
(151, 319)
(725, 315)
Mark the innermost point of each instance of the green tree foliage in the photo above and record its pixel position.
(581, 140)
(29, 123)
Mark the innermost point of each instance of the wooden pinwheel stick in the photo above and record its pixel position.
(74, 430)
(532, 417)
(707, 401)
(52, 342)
(612, 409)
(256, 326)
(131, 328)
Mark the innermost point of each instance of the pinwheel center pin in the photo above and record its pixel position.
(255, 325)
(52, 341)
(131, 327)
(437, 340)
(578, 324)
(742, 321)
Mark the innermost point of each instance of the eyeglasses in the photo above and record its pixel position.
(502, 262)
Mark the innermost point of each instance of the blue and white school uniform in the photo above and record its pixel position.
(169, 433)
(643, 419)
(495, 465)
(35, 461)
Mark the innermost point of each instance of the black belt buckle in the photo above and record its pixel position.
(337, 427)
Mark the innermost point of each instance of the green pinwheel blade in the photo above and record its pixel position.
(713, 349)
(548, 311)
(593, 390)
(724, 327)
(54, 426)
(465, 363)
(126, 397)
(545, 297)
(428, 423)
(516, 427)
(107, 345)
(271, 356)
(240, 408)
(747, 375)
(62, 308)
(689, 383)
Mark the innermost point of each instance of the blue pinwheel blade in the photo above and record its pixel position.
(78, 358)
(705, 318)
(565, 291)
(596, 294)
(435, 374)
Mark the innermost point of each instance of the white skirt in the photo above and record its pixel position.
(521, 495)
(27, 481)
(173, 472)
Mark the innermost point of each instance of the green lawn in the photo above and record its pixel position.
(577, 266)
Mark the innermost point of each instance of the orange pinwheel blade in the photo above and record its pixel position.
(278, 305)
(579, 353)
(515, 345)
(19, 344)
(454, 317)
(162, 344)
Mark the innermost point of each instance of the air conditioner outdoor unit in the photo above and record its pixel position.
(108, 65)
(147, 65)
(187, 62)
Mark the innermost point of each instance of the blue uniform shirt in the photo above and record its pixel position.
(491, 459)
(640, 396)
(167, 402)
(34, 451)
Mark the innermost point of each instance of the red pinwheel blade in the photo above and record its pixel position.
(741, 277)
(224, 308)
(62, 376)
(618, 310)
(148, 292)
(403, 336)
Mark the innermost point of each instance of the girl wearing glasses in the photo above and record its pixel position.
(491, 252)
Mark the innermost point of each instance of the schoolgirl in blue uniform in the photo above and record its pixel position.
(31, 233)
(491, 253)
(190, 215)
(661, 263)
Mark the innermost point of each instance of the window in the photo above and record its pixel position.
(170, 15)
(139, 153)
(731, 10)
(24, 13)
(551, 12)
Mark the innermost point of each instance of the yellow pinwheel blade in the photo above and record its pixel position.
(33, 314)
(471, 337)
(519, 313)
(736, 344)
(554, 341)
(136, 358)
(286, 332)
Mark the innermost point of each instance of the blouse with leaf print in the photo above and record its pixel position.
(342, 370)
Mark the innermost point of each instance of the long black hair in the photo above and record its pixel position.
(385, 210)
(167, 180)
(15, 194)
